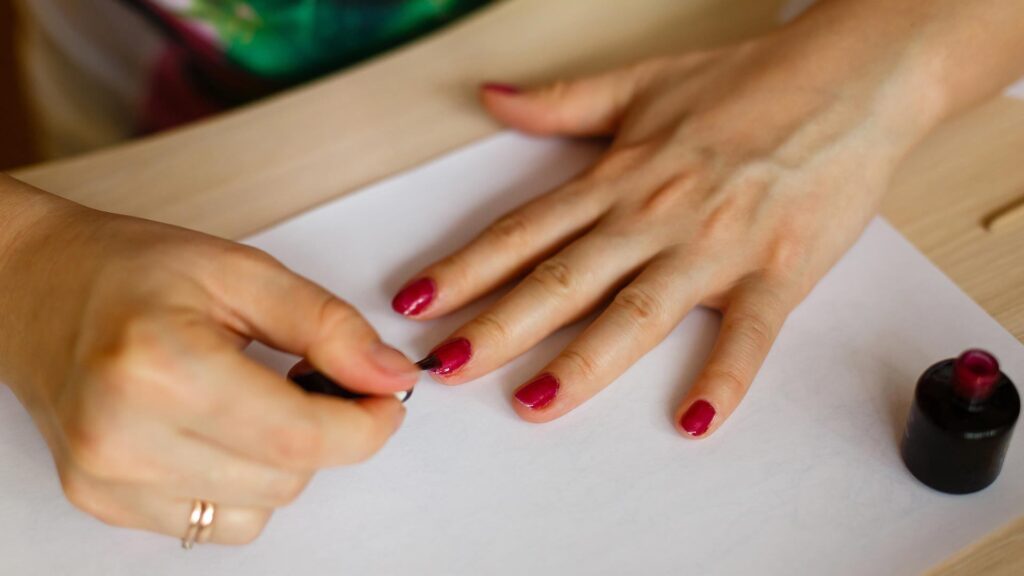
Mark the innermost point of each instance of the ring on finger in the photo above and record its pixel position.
(200, 524)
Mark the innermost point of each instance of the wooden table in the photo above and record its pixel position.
(250, 168)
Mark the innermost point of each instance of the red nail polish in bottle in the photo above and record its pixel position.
(960, 423)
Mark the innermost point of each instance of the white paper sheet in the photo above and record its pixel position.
(804, 479)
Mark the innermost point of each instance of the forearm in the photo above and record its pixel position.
(952, 54)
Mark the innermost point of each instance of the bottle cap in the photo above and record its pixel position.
(976, 373)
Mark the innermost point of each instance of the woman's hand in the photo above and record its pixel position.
(124, 340)
(735, 179)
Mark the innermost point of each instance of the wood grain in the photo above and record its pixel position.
(946, 190)
(250, 168)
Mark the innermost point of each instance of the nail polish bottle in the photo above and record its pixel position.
(960, 423)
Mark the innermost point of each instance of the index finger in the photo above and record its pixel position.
(272, 304)
(249, 409)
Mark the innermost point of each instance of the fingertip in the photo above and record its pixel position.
(697, 419)
(528, 415)
(387, 409)
(446, 361)
(516, 108)
(444, 381)
(535, 400)
(375, 369)
(415, 297)
(532, 416)
(391, 362)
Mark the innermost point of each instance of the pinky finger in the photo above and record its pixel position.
(754, 315)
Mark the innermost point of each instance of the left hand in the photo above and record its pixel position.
(735, 180)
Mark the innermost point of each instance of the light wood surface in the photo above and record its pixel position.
(253, 167)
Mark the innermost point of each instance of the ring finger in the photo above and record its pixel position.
(139, 507)
(639, 317)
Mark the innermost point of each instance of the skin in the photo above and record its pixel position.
(736, 178)
(145, 398)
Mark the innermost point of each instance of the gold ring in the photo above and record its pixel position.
(206, 523)
(199, 522)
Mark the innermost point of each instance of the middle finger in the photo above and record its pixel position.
(557, 292)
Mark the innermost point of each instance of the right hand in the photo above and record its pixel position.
(123, 338)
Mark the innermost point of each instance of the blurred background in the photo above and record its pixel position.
(16, 147)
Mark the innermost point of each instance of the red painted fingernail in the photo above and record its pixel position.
(448, 357)
(697, 418)
(539, 392)
(415, 297)
(500, 88)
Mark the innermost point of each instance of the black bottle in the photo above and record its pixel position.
(960, 423)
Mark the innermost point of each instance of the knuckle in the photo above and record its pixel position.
(80, 493)
(639, 306)
(95, 450)
(133, 352)
(730, 379)
(493, 327)
(116, 378)
(336, 314)
(786, 256)
(136, 358)
(510, 230)
(247, 257)
(582, 364)
(755, 331)
(722, 222)
(617, 162)
(555, 277)
(664, 200)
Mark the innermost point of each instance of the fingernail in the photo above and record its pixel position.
(390, 360)
(448, 357)
(415, 297)
(697, 418)
(501, 88)
(539, 392)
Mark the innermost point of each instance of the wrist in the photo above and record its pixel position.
(23, 210)
(22, 207)
(929, 59)
(873, 69)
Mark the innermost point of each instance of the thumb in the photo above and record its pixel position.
(590, 106)
(274, 305)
